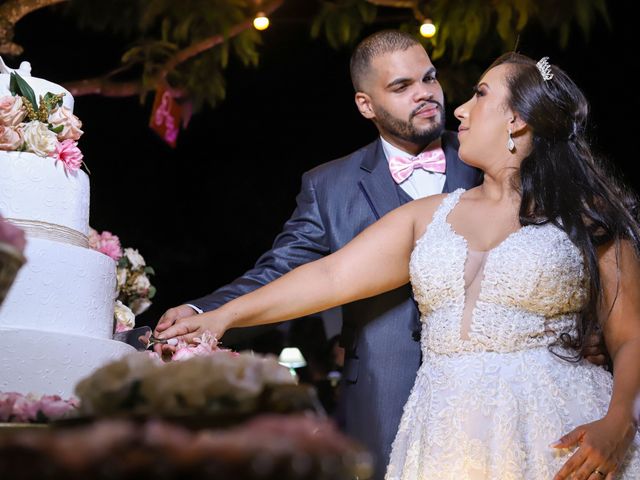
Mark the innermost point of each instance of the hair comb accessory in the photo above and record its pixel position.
(544, 68)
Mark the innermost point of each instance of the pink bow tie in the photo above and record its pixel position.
(402, 167)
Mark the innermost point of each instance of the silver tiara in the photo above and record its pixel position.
(544, 68)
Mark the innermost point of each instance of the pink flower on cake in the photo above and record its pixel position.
(11, 138)
(69, 154)
(105, 242)
(12, 111)
(64, 117)
(16, 407)
(205, 345)
(54, 406)
(7, 400)
(39, 139)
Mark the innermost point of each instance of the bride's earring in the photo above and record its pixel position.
(510, 143)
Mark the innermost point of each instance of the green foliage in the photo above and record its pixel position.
(342, 21)
(159, 29)
(469, 33)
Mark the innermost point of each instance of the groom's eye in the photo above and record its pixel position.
(429, 78)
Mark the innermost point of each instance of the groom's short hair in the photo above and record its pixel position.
(379, 43)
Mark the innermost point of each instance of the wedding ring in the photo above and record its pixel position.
(603, 475)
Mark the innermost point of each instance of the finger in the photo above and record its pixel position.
(182, 327)
(570, 439)
(574, 463)
(587, 471)
(166, 320)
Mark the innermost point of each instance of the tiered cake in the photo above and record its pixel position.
(56, 324)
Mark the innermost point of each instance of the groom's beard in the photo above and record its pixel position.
(407, 131)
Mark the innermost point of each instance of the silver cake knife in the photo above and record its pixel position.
(141, 338)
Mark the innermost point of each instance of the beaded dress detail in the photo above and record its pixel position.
(490, 396)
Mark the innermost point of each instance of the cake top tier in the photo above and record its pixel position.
(40, 86)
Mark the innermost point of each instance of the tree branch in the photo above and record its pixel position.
(103, 86)
(11, 12)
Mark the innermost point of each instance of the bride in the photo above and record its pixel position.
(510, 278)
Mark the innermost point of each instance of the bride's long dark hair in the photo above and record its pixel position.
(561, 181)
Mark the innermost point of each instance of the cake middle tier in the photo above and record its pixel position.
(62, 288)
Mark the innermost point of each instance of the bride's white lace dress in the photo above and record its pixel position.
(490, 397)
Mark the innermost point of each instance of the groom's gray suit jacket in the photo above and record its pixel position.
(337, 201)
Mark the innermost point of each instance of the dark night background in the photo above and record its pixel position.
(201, 214)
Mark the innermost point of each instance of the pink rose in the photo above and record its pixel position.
(11, 138)
(110, 245)
(69, 154)
(207, 344)
(54, 407)
(105, 242)
(25, 409)
(12, 111)
(7, 400)
(71, 124)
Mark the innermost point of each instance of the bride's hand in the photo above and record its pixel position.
(602, 447)
(190, 327)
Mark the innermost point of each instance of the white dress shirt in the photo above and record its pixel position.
(420, 183)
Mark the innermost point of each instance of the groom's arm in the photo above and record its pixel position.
(303, 239)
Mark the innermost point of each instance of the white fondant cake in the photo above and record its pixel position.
(56, 323)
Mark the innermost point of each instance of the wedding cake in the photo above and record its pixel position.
(56, 323)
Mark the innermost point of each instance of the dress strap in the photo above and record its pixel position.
(447, 205)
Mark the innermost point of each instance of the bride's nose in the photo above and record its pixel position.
(461, 111)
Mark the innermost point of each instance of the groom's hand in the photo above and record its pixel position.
(169, 318)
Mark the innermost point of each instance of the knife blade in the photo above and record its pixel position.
(141, 338)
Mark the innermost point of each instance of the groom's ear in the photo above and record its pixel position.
(363, 102)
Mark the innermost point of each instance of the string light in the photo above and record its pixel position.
(261, 22)
(427, 29)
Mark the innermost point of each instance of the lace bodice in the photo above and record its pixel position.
(532, 286)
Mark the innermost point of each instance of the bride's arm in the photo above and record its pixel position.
(604, 443)
(375, 261)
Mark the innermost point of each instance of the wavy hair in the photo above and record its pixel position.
(562, 181)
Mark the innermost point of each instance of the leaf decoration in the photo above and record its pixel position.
(19, 86)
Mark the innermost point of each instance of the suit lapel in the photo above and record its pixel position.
(376, 184)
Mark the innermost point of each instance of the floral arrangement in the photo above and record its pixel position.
(216, 383)
(135, 290)
(18, 408)
(45, 128)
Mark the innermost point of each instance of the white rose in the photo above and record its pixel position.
(70, 123)
(134, 257)
(121, 277)
(39, 139)
(124, 316)
(140, 305)
(141, 284)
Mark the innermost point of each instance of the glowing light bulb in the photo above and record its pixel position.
(261, 22)
(427, 29)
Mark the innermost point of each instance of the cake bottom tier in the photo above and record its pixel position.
(40, 362)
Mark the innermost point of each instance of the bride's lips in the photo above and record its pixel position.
(461, 130)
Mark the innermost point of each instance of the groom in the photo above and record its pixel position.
(396, 88)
